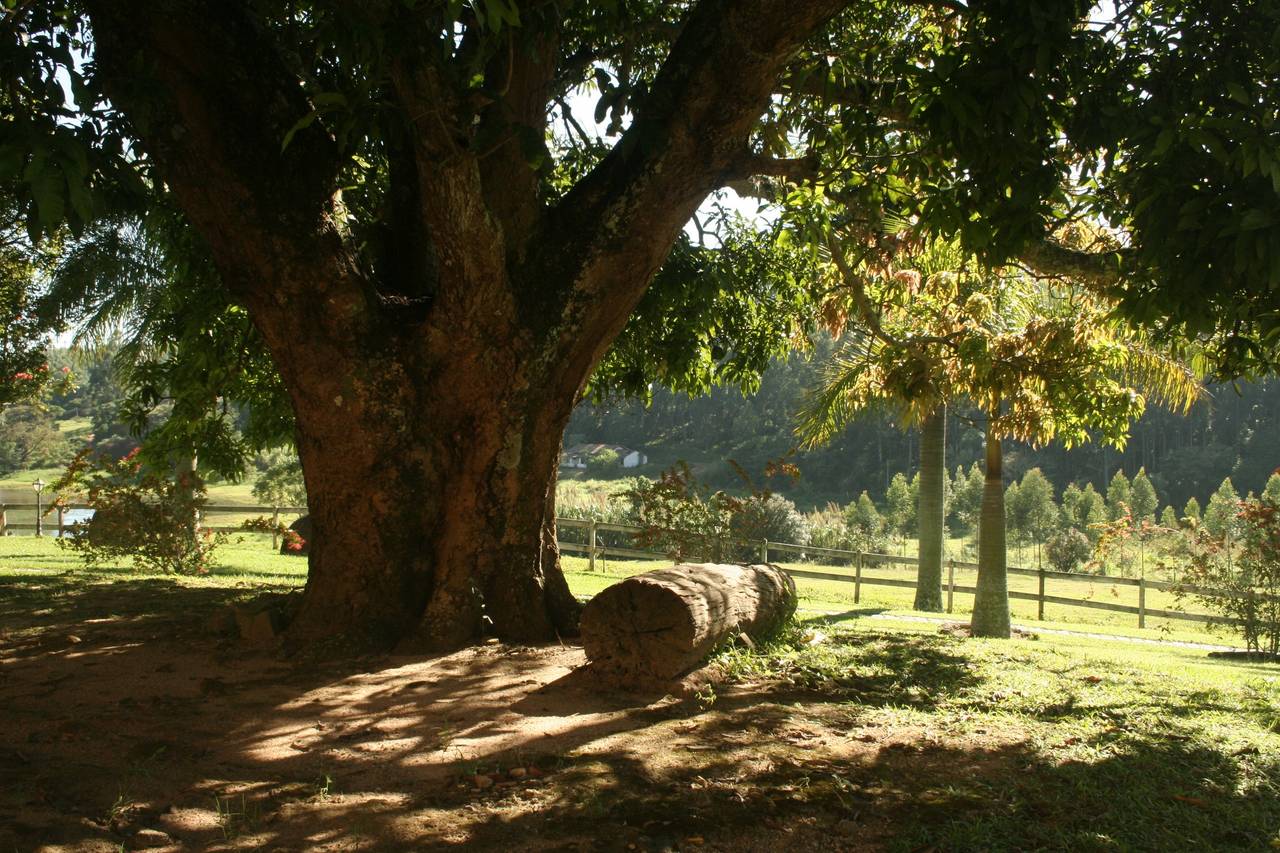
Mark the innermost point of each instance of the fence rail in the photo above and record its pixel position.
(595, 549)
(859, 561)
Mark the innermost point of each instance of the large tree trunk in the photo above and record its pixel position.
(662, 624)
(991, 601)
(932, 510)
(432, 494)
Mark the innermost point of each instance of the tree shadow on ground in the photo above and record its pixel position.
(843, 616)
(147, 722)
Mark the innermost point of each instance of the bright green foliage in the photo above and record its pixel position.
(1220, 514)
(1272, 490)
(865, 523)
(900, 507)
(139, 513)
(1090, 511)
(1041, 362)
(281, 484)
(1037, 514)
(604, 462)
(1142, 497)
(29, 438)
(1013, 523)
(713, 316)
(1119, 497)
(1169, 518)
(1191, 510)
(966, 500)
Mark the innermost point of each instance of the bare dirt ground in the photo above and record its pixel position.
(124, 723)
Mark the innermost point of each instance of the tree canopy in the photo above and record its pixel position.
(436, 245)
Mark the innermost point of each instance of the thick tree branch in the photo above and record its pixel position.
(687, 135)
(1099, 271)
(514, 124)
(213, 101)
(758, 176)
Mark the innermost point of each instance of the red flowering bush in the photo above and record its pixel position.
(140, 514)
(1238, 576)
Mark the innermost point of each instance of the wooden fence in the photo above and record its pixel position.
(861, 561)
(51, 519)
(595, 549)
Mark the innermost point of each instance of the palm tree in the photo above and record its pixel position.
(1042, 361)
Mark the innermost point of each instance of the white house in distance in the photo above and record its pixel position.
(580, 454)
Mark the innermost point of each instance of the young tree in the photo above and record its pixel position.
(899, 509)
(1271, 492)
(1119, 497)
(437, 254)
(1169, 518)
(1067, 550)
(967, 496)
(1048, 366)
(1220, 514)
(865, 524)
(1014, 526)
(1037, 511)
(1143, 498)
(1091, 512)
(1192, 510)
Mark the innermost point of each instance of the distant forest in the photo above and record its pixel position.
(1234, 432)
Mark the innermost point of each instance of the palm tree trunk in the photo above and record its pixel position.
(931, 510)
(991, 601)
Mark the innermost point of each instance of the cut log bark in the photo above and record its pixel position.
(661, 624)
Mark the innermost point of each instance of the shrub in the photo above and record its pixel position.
(139, 514)
(868, 531)
(605, 462)
(1236, 573)
(771, 517)
(682, 517)
(827, 529)
(1067, 550)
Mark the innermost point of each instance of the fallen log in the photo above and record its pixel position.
(661, 624)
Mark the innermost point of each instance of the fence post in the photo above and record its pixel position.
(857, 579)
(61, 521)
(275, 528)
(1142, 602)
(4, 519)
(951, 583)
(1040, 595)
(764, 550)
(591, 546)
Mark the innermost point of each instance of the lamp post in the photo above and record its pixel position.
(38, 485)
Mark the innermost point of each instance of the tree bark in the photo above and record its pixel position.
(661, 624)
(991, 601)
(932, 510)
